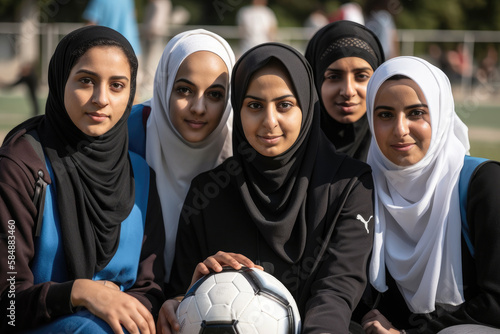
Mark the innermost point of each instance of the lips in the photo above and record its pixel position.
(270, 140)
(403, 146)
(195, 124)
(347, 107)
(97, 117)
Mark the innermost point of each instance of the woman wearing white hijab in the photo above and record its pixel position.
(421, 260)
(185, 128)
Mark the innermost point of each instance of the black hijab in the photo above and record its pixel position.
(93, 175)
(338, 40)
(274, 189)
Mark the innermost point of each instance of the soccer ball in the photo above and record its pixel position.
(238, 301)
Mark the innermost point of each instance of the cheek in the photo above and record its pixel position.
(216, 110)
(329, 92)
(249, 124)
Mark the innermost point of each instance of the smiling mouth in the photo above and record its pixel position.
(270, 139)
(403, 147)
(195, 124)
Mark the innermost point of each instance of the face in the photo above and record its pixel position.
(402, 122)
(98, 89)
(198, 97)
(343, 91)
(270, 114)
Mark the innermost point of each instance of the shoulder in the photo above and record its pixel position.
(136, 129)
(336, 165)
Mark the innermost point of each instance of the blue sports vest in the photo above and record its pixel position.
(49, 263)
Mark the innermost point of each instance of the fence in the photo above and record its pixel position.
(50, 34)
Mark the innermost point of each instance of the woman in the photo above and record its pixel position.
(343, 56)
(84, 265)
(431, 279)
(285, 200)
(185, 129)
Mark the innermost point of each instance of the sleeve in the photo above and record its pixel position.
(342, 275)
(151, 272)
(190, 246)
(482, 297)
(26, 304)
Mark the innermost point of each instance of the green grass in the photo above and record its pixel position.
(15, 108)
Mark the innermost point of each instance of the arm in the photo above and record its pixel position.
(42, 302)
(148, 287)
(341, 278)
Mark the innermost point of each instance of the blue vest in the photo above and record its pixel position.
(49, 263)
(470, 165)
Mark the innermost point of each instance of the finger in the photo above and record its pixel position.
(216, 261)
(242, 259)
(167, 319)
(148, 323)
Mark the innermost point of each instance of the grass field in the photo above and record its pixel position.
(483, 121)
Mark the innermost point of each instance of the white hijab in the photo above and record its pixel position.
(417, 213)
(175, 160)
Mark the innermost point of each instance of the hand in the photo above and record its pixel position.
(374, 322)
(117, 308)
(215, 263)
(109, 284)
(167, 318)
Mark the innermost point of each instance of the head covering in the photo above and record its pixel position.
(175, 160)
(274, 188)
(417, 226)
(93, 176)
(338, 40)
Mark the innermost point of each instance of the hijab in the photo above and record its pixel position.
(335, 41)
(175, 160)
(274, 189)
(93, 175)
(417, 225)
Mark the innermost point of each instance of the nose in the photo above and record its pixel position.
(401, 128)
(198, 105)
(348, 88)
(100, 96)
(270, 117)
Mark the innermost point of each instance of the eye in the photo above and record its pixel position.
(254, 105)
(216, 95)
(363, 76)
(417, 113)
(117, 86)
(385, 115)
(183, 90)
(332, 76)
(86, 81)
(285, 105)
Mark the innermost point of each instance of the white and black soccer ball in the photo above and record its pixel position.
(245, 301)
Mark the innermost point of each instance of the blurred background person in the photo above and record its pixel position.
(257, 24)
(378, 18)
(118, 15)
(27, 76)
(350, 11)
(155, 29)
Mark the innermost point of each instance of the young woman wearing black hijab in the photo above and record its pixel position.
(285, 201)
(80, 259)
(343, 55)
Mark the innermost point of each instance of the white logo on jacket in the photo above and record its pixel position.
(361, 219)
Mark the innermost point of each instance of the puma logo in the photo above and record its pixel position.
(361, 219)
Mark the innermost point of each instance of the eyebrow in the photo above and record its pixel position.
(407, 107)
(192, 84)
(354, 69)
(114, 77)
(275, 99)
